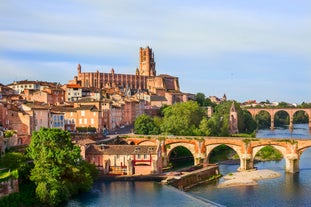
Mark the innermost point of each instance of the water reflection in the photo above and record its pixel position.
(287, 190)
(299, 131)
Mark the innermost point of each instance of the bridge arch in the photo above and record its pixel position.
(301, 150)
(281, 149)
(189, 146)
(273, 111)
(211, 147)
(296, 113)
(263, 122)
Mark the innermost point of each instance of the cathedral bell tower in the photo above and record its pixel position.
(146, 62)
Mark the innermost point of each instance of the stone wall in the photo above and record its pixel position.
(188, 180)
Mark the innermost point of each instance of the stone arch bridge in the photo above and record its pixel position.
(272, 111)
(246, 148)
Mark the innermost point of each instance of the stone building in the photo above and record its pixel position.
(5, 91)
(125, 159)
(145, 79)
(20, 86)
(112, 79)
(48, 95)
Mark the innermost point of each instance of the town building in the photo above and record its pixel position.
(5, 91)
(48, 95)
(20, 86)
(144, 80)
(124, 159)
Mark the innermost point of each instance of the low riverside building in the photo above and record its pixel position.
(125, 159)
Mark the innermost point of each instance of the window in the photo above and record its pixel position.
(138, 156)
(80, 121)
(92, 121)
(145, 156)
(85, 121)
(82, 113)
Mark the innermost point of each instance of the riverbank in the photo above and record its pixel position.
(245, 178)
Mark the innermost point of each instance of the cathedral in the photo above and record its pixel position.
(144, 79)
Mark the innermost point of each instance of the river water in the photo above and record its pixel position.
(287, 190)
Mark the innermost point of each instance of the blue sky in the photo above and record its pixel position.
(249, 50)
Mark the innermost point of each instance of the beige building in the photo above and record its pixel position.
(20, 86)
(125, 159)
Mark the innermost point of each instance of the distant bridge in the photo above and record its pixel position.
(272, 111)
(246, 148)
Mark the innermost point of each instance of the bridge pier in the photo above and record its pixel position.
(272, 124)
(198, 160)
(164, 155)
(246, 162)
(292, 164)
(291, 122)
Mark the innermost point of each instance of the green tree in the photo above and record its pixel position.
(200, 98)
(281, 118)
(204, 128)
(19, 161)
(263, 120)
(204, 101)
(305, 105)
(249, 125)
(59, 171)
(182, 118)
(145, 124)
(300, 117)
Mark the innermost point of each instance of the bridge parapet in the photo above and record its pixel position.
(246, 148)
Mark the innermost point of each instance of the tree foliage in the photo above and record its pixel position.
(300, 117)
(182, 118)
(144, 124)
(203, 101)
(59, 171)
(16, 160)
(281, 118)
(263, 120)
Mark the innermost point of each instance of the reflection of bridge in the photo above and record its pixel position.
(246, 148)
(272, 111)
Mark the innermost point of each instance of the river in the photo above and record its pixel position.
(287, 190)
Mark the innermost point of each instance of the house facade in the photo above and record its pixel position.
(125, 159)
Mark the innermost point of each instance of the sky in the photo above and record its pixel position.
(249, 50)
